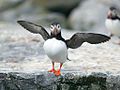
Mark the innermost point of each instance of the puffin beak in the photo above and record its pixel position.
(109, 14)
(55, 32)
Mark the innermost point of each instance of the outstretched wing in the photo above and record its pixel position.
(33, 28)
(77, 39)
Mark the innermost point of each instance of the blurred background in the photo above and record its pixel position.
(21, 50)
(71, 14)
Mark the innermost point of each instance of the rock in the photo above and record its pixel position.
(47, 81)
(9, 4)
(90, 15)
(45, 19)
(28, 11)
(110, 3)
(58, 6)
(85, 18)
(14, 13)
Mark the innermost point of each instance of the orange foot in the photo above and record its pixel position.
(52, 70)
(57, 73)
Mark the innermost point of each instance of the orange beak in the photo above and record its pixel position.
(55, 32)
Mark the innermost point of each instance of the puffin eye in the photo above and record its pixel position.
(51, 27)
(58, 26)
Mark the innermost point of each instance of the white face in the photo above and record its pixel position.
(114, 12)
(55, 29)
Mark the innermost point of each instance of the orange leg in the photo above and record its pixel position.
(57, 72)
(52, 70)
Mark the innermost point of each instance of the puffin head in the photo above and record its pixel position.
(55, 29)
(112, 12)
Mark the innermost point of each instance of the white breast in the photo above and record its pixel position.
(56, 50)
(113, 26)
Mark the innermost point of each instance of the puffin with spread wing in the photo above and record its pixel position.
(56, 47)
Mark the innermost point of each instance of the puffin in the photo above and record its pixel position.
(112, 22)
(56, 47)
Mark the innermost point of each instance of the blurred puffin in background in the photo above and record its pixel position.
(56, 47)
(112, 22)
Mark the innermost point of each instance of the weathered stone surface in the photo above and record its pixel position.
(47, 81)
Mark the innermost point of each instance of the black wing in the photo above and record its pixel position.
(33, 28)
(77, 39)
(118, 18)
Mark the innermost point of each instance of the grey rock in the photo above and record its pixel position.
(69, 78)
(45, 19)
(91, 15)
(30, 12)
(9, 4)
(85, 18)
(48, 81)
(14, 13)
(113, 82)
(65, 86)
(58, 6)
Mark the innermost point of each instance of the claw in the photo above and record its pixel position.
(57, 73)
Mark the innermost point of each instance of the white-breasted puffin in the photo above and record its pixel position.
(56, 47)
(112, 22)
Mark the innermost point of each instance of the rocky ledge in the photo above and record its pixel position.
(68, 81)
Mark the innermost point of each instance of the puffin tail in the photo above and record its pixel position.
(111, 35)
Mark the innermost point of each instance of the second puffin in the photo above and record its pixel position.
(56, 47)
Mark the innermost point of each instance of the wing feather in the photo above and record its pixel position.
(33, 28)
(77, 39)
